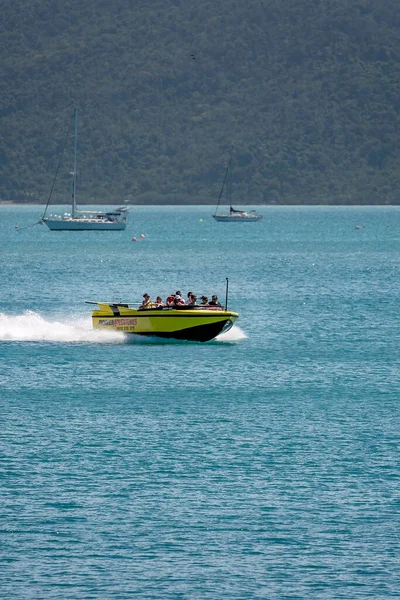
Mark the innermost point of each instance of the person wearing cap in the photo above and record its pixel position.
(178, 300)
(214, 301)
(147, 303)
(204, 300)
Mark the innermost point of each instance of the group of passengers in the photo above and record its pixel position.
(177, 300)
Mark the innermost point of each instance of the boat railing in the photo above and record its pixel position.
(137, 305)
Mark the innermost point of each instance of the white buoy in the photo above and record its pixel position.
(133, 239)
(142, 236)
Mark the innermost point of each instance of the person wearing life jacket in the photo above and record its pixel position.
(147, 303)
(170, 300)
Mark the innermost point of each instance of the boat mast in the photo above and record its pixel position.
(223, 185)
(230, 190)
(74, 171)
(58, 166)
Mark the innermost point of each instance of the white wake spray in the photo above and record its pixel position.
(235, 334)
(31, 327)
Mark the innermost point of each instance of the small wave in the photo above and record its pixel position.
(32, 327)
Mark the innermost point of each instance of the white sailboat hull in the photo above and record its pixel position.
(237, 218)
(83, 225)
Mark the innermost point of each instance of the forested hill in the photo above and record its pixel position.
(303, 94)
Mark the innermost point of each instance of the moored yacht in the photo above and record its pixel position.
(234, 215)
(82, 220)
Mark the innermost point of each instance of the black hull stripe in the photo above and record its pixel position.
(201, 333)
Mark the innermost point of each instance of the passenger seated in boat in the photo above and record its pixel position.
(204, 300)
(170, 300)
(192, 300)
(214, 301)
(178, 300)
(147, 303)
(159, 301)
(188, 297)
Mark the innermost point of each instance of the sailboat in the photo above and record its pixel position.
(234, 215)
(81, 220)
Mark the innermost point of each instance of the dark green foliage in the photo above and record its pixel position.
(304, 94)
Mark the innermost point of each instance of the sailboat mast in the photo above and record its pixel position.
(223, 185)
(74, 172)
(230, 190)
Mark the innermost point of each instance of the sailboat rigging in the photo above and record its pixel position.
(80, 220)
(235, 215)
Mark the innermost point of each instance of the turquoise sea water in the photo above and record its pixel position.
(264, 464)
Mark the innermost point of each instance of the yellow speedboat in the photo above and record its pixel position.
(197, 323)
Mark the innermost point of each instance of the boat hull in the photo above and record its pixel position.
(197, 325)
(83, 225)
(237, 219)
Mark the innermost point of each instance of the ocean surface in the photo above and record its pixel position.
(264, 464)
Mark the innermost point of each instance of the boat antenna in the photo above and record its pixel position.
(226, 294)
(223, 185)
(58, 167)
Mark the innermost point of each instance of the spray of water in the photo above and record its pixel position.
(32, 327)
(235, 334)
(230, 337)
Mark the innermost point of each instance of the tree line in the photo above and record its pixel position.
(303, 95)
